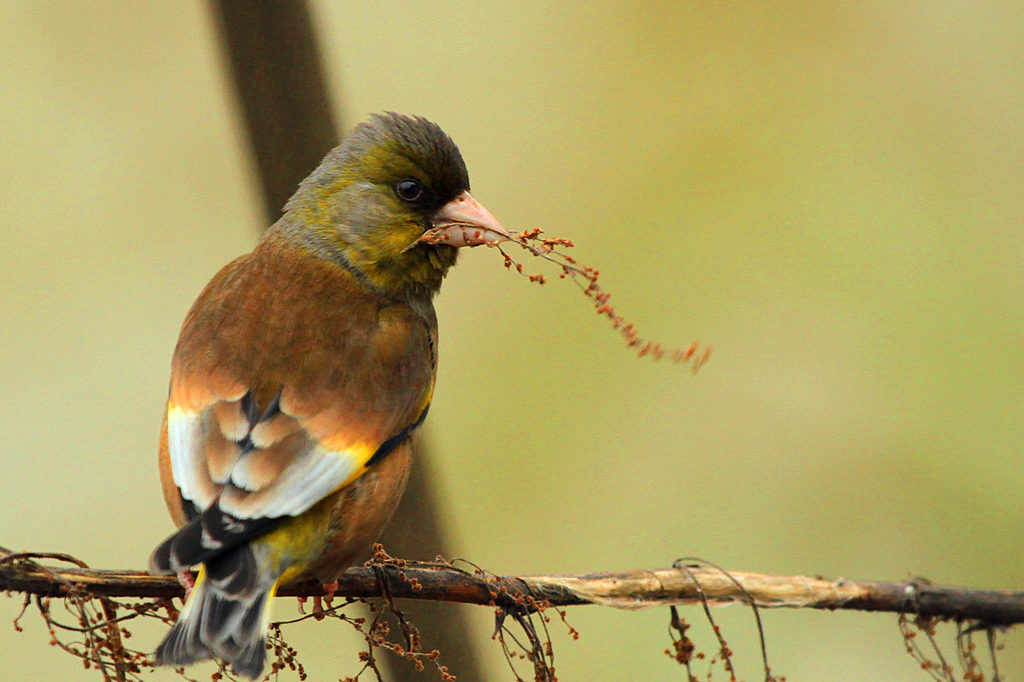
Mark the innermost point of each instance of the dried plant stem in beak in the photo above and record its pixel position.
(464, 221)
(586, 278)
(460, 233)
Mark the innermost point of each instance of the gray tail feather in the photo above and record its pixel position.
(221, 624)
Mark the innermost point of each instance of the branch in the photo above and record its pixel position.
(624, 590)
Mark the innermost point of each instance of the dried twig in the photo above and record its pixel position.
(553, 250)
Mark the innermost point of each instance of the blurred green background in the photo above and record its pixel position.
(832, 195)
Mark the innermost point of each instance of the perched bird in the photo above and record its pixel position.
(300, 373)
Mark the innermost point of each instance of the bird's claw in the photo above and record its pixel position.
(186, 580)
(323, 604)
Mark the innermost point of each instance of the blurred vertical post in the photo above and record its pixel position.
(281, 91)
(271, 48)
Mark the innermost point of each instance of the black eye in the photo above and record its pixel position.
(409, 190)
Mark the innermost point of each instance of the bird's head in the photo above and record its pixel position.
(371, 201)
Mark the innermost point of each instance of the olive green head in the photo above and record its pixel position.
(374, 196)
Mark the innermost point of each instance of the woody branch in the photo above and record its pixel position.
(636, 589)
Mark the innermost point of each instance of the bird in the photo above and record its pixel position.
(299, 376)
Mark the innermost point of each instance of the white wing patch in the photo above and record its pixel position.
(285, 479)
(185, 446)
(308, 479)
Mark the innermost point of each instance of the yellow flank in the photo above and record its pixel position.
(292, 544)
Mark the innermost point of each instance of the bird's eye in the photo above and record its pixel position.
(409, 190)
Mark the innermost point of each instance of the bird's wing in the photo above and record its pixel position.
(274, 407)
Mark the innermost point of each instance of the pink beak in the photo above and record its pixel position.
(464, 221)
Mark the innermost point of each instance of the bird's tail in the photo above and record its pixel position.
(225, 616)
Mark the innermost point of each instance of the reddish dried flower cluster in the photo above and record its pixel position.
(285, 655)
(548, 249)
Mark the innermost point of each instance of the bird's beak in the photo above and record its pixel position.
(464, 221)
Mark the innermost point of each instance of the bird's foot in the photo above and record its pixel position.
(318, 607)
(322, 604)
(329, 590)
(186, 580)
